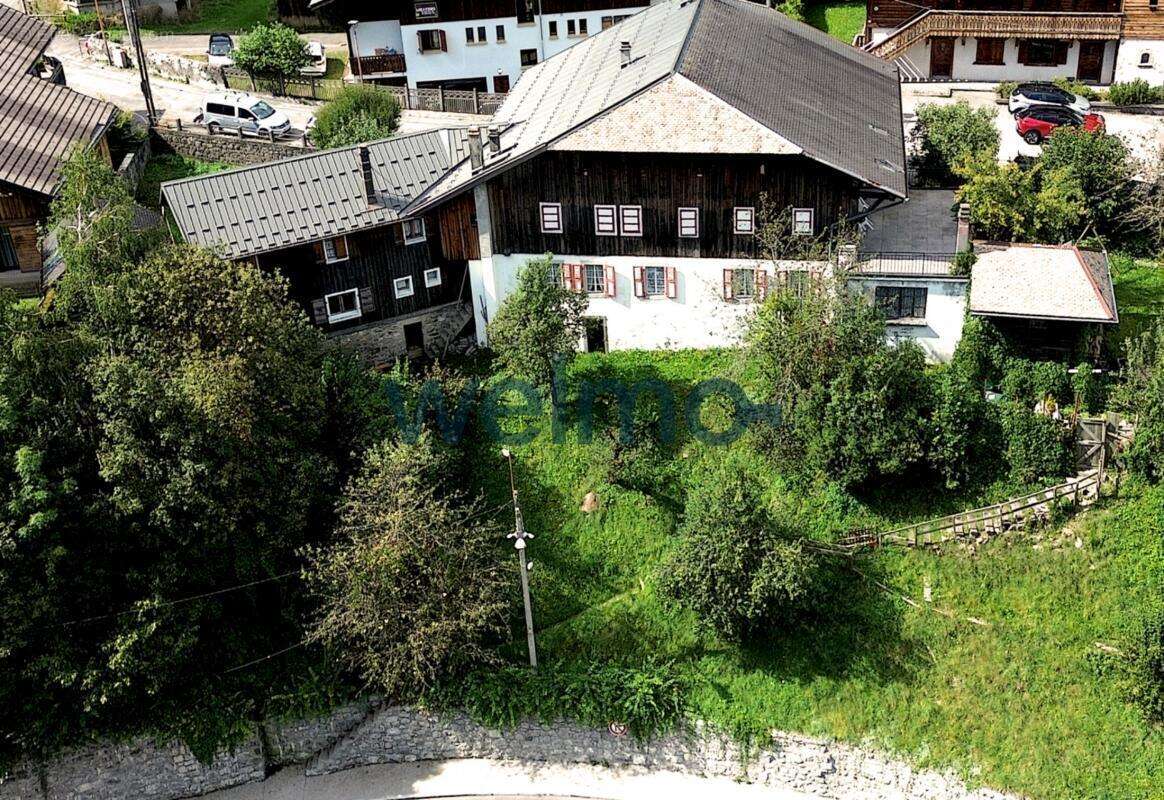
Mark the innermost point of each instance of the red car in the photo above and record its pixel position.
(1038, 122)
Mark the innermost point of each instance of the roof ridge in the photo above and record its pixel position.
(687, 36)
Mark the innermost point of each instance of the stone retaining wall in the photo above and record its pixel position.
(179, 68)
(222, 148)
(363, 734)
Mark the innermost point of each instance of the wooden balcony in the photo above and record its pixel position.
(379, 65)
(997, 25)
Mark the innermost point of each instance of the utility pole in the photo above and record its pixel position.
(519, 535)
(129, 8)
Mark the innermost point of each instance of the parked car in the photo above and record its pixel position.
(219, 50)
(1027, 95)
(1038, 122)
(242, 112)
(317, 67)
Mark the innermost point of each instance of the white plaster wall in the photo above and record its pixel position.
(367, 36)
(966, 50)
(945, 313)
(1128, 61)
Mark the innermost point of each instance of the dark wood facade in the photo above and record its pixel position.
(452, 10)
(376, 258)
(20, 214)
(891, 13)
(661, 184)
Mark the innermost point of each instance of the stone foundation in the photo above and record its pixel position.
(383, 342)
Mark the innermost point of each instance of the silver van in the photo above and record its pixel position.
(242, 112)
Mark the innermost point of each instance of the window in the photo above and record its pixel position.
(7, 250)
(604, 224)
(654, 281)
(630, 220)
(571, 28)
(745, 219)
(1145, 59)
(529, 57)
(469, 37)
(220, 108)
(335, 249)
(1042, 52)
(595, 279)
(1153, 4)
(244, 114)
(402, 287)
(582, 27)
(551, 214)
(901, 302)
(481, 37)
(343, 305)
(798, 281)
(553, 29)
(689, 223)
(990, 51)
(432, 40)
(743, 283)
(501, 33)
(432, 277)
(802, 221)
(611, 21)
(413, 230)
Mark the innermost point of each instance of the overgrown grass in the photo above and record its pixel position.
(170, 167)
(1139, 289)
(219, 16)
(1026, 704)
(842, 20)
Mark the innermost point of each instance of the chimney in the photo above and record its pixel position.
(962, 241)
(476, 155)
(624, 53)
(494, 139)
(366, 170)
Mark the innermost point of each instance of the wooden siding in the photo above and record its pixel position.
(452, 10)
(375, 259)
(1140, 22)
(457, 223)
(891, 13)
(661, 184)
(20, 213)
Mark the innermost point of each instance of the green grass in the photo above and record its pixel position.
(1139, 289)
(1026, 705)
(842, 20)
(218, 16)
(170, 167)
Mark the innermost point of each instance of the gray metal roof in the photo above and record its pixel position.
(280, 204)
(39, 121)
(838, 105)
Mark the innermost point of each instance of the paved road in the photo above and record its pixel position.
(195, 44)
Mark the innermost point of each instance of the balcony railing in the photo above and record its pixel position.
(379, 64)
(904, 265)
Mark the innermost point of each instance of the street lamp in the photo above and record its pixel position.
(519, 535)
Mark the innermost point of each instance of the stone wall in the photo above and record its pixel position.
(179, 68)
(383, 342)
(363, 734)
(224, 148)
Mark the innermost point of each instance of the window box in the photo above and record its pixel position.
(744, 220)
(605, 223)
(402, 287)
(630, 220)
(432, 277)
(551, 217)
(413, 230)
(343, 305)
(689, 223)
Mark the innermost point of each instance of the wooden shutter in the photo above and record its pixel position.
(610, 284)
(640, 287)
(761, 283)
(319, 311)
(1023, 51)
(578, 277)
(672, 284)
(565, 270)
(444, 41)
(420, 40)
(367, 300)
(1061, 49)
(727, 284)
(318, 248)
(341, 247)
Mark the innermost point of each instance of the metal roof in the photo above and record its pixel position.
(831, 102)
(39, 121)
(265, 207)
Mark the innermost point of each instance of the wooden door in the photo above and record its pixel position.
(1090, 61)
(501, 84)
(941, 57)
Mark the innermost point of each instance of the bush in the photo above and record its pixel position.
(1005, 89)
(271, 50)
(83, 23)
(1010, 203)
(949, 135)
(982, 353)
(963, 442)
(1146, 666)
(1102, 167)
(1142, 395)
(1050, 379)
(1017, 382)
(792, 8)
(1089, 388)
(1135, 93)
(963, 265)
(1076, 87)
(360, 113)
(1036, 446)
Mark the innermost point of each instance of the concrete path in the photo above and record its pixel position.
(479, 777)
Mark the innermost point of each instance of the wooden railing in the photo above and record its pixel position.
(379, 64)
(997, 24)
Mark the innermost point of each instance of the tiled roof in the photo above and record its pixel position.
(815, 95)
(39, 121)
(1042, 282)
(280, 204)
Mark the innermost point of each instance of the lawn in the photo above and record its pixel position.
(1027, 704)
(843, 20)
(1139, 288)
(219, 16)
(170, 167)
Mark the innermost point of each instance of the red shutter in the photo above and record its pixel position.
(567, 276)
(727, 284)
(579, 278)
(444, 42)
(672, 284)
(611, 282)
(761, 283)
(640, 288)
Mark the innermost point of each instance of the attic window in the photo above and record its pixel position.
(878, 129)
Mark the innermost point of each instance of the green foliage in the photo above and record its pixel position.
(1005, 89)
(1050, 379)
(359, 113)
(1137, 92)
(83, 23)
(538, 324)
(1102, 167)
(1012, 203)
(1142, 394)
(841, 19)
(1089, 387)
(1146, 664)
(743, 573)
(416, 590)
(170, 167)
(963, 265)
(1076, 87)
(1037, 446)
(271, 50)
(951, 135)
(964, 438)
(982, 353)
(792, 8)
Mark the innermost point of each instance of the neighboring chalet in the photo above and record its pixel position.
(466, 44)
(1095, 41)
(333, 224)
(41, 121)
(640, 156)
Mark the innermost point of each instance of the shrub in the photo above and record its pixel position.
(83, 23)
(1135, 93)
(741, 572)
(1036, 446)
(1146, 666)
(1142, 394)
(949, 135)
(1103, 168)
(963, 441)
(1089, 387)
(637, 460)
(982, 353)
(1076, 87)
(1017, 382)
(1008, 202)
(792, 8)
(360, 113)
(963, 265)
(1050, 379)
(1005, 89)
(271, 50)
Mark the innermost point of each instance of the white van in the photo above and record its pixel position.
(242, 112)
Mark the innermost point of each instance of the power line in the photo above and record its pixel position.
(267, 657)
